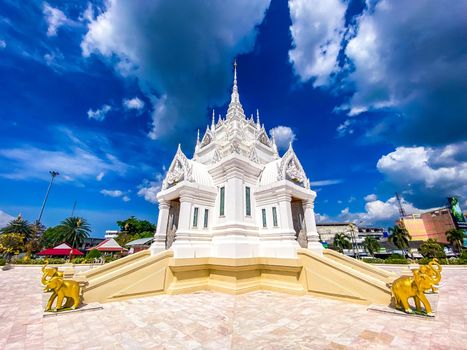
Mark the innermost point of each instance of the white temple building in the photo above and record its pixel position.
(237, 197)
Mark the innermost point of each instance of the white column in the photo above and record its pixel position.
(161, 232)
(183, 245)
(310, 225)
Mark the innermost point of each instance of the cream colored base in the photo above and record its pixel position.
(330, 275)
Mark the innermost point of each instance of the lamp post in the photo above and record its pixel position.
(53, 174)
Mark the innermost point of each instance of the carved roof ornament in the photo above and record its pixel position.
(217, 156)
(263, 138)
(253, 156)
(179, 170)
(207, 138)
(291, 169)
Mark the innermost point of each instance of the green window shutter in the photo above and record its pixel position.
(247, 200)
(206, 218)
(274, 216)
(222, 201)
(195, 218)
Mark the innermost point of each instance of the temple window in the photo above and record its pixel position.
(264, 218)
(247, 201)
(195, 218)
(206, 217)
(222, 201)
(274, 216)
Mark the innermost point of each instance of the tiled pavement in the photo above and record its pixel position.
(206, 320)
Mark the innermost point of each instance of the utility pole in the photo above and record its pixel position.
(73, 210)
(53, 174)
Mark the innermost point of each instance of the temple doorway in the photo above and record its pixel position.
(172, 223)
(298, 222)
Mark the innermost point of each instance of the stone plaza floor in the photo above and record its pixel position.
(208, 320)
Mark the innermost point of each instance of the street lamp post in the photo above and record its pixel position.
(53, 174)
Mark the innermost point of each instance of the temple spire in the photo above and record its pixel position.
(258, 124)
(197, 138)
(213, 122)
(235, 107)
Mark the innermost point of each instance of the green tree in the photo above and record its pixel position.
(371, 245)
(432, 249)
(132, 228)
(341, 242)
(11, 244)
(33, 244)
(52, 236)
(400, 237)
(74, 230)
(456, 238)
(19, 225)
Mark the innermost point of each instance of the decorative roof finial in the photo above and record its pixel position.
(179, 148)
(235, 74)
(197, 138)
(213, 123)
(258, 124)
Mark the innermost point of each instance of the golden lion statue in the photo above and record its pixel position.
(61, 289)
(415, 286)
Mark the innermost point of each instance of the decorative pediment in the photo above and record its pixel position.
(179, 170)
(253, 156)
(207, 138)
(217, 156)
(291, 169)
(263, 138)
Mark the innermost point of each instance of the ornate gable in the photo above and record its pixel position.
(207, 138)
(179, 170)
(291, 169)
(263, 138)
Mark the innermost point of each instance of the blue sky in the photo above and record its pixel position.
(373, 95)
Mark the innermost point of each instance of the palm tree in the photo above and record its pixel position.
(74, 230)
(341, 242)
(456, 238)
(371, 245)
(400, 237)
(19, 225)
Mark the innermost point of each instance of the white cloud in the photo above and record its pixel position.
(427, 174)
(77, 163)
(370, 197)
(54, 17)
(115, 194)
(378, 212)
(100, 176)
(283, 136)
(149, 189)
(2, 44)
(112, 193)
(99, 114)
(320, 218)
(345, 128)
(133, 103)
(181, 50)
(321, 183)
(317, 30)
(5, 218)
(404, 61)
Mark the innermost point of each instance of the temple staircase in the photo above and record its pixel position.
(331, 275)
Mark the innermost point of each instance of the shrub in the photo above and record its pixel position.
(396, 261)
(396, 256)
(374, 261)
(2, 262)
(109, 258)
(463, 255)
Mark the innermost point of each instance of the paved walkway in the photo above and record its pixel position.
(205, 320)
